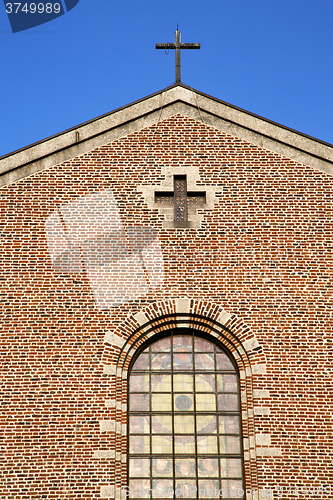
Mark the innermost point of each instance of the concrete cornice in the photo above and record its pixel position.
(146, 112)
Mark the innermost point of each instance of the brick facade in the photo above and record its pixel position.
(255, 273)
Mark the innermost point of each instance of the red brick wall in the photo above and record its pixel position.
(263, 254)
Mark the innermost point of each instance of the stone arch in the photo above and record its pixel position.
(203, 317)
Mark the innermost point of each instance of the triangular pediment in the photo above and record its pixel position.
(178, 99)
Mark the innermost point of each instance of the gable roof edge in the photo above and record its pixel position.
(217, 113)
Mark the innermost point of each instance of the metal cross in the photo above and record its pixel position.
(180, 198)
(177, 46)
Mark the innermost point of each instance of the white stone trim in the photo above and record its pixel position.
(252, 442)
(113, 339)
(266, 493)
(183, 325)
(269, 452)
(107, 491)
(224, 317)
(259, 369)
(236, 355)
(107, 425)
(247, 414)
(104, 454)
(183, 305)
(141, 318)
(250, 344)
(261, 393)
(110, 369)
(263, 439)
(243, 397)
(192, 179)
(261, 410)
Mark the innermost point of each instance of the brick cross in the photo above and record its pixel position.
(180, 198)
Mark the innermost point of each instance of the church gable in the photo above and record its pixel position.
(246, 199)
(147, 112)
(178, 215)
(215, 169)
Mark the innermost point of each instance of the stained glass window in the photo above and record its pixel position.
(184, 422)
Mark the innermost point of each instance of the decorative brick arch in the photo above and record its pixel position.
(203, 317)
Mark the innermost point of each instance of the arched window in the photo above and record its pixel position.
(184, 421)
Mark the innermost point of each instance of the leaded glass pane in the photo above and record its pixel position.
(161, 362)
(139, 401)
(207, 487)
(139, 444)
(229, 444)
(207, 445)
(208, 467)
(228, 402)
(205, 382)
(139, 425)
(139, 467)
(161, 383)
(185, 489)
(228, 424)
(139, 488)
(182, 343)
(204, 361)
(160, 402)
(232, 488)
(162, 488)
(184, 445)
(139, 383)
(161, 424)
(183, 402)
(227, 383)
(203, 345)
(206, 424)
(184, 422)
(185, 467)
(162, 467)
(142, 363)
(205, 402)
(182, 360)
(161, 345)
(231, 467)
(182, 382)
(223, 362)
(161, 444)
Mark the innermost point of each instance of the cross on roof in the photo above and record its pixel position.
(180, 198)
(177, 46)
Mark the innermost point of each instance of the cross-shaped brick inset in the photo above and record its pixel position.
(180, 198)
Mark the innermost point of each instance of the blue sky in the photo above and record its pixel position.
(273, 58)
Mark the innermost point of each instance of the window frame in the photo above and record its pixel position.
(172, 332)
